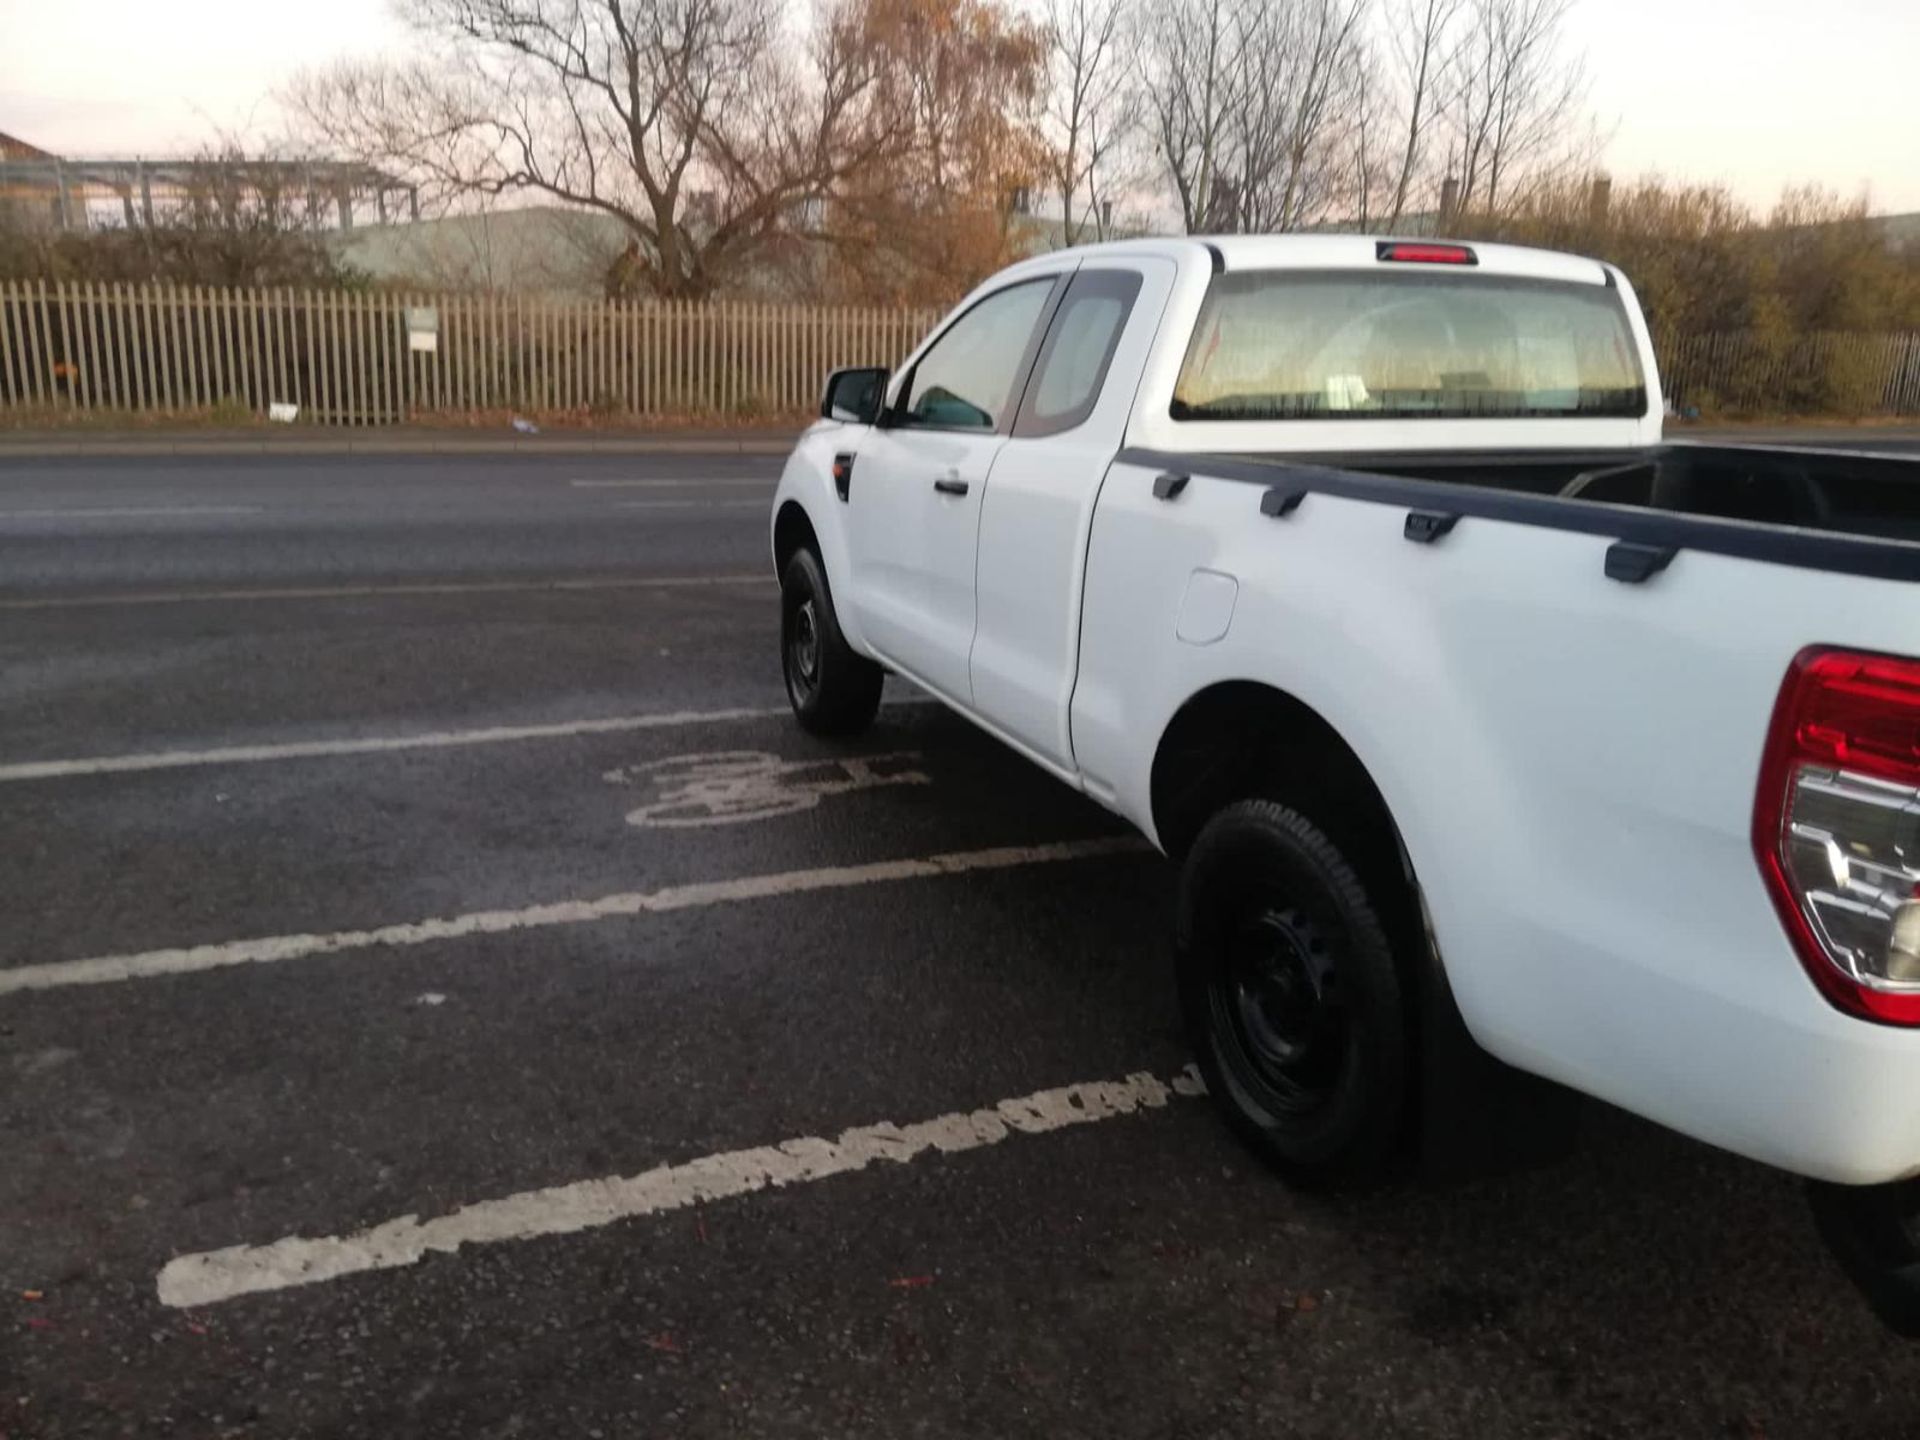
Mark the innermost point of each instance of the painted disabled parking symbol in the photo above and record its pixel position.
(727, 786)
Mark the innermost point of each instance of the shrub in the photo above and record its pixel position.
(1781, 296)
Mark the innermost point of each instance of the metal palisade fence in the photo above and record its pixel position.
(349, 357)
(1826, 372)
(353, 357)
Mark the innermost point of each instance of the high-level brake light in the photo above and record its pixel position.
(1413, 253)
(1836, 827)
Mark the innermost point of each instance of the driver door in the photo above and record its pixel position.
(919, 478)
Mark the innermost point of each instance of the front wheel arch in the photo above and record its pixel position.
(792, 532)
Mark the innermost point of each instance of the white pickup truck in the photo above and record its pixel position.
(1355, 573)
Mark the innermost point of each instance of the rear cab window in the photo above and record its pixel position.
(1330, 345)
(1079, 347)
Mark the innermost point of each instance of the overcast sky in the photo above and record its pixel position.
(1754, 93)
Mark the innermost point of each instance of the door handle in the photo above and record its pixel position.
(950, 485)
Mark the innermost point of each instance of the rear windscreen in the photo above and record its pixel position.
(1297, 345)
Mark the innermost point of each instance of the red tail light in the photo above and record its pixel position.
(1836, 827)
(1419, 254)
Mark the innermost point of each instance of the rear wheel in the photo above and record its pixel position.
(1292, 1000)
(834, 690)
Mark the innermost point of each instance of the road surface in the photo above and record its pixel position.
(441, 993)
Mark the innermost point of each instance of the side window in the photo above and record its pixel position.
(965, 382)
(1077, 351)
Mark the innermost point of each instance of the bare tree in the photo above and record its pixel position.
(1256, 156)
(1187, 79)
(1367, 180)
(628, 107)
(1516, 101)
(1321, 68)
(1274, 114)
(1252, 105)
(1420, 49)
(1090, 111)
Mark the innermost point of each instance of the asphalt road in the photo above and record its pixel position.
(261, 718)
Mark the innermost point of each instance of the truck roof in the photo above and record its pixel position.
(1341, 252)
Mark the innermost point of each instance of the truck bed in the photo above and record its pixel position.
(1821, 509)
(1876, 496)
(1564, 703)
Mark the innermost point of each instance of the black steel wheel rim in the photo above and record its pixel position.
(803, 648)
(1279, 1006)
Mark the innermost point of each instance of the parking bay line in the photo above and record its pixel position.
(216, 1275)
(128, 512)
(358, 592)
(381, 745)
(430, 740)
(690, 504)
(272, 949)
(764, 482)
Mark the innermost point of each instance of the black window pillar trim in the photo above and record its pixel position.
(1030, 358)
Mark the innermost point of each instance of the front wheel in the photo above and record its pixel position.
(833, 689)
(1292, 1000)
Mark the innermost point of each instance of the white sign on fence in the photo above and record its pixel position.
(423, 328)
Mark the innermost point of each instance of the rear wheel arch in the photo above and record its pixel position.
(1243, 739)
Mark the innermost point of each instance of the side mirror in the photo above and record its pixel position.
(854, 395)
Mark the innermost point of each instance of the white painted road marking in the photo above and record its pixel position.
(727, 786)
(271, 949)
(692, 504)
(766, 483)
(127, 512)
(358, 592)
(381, 745)
(216, 1275)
